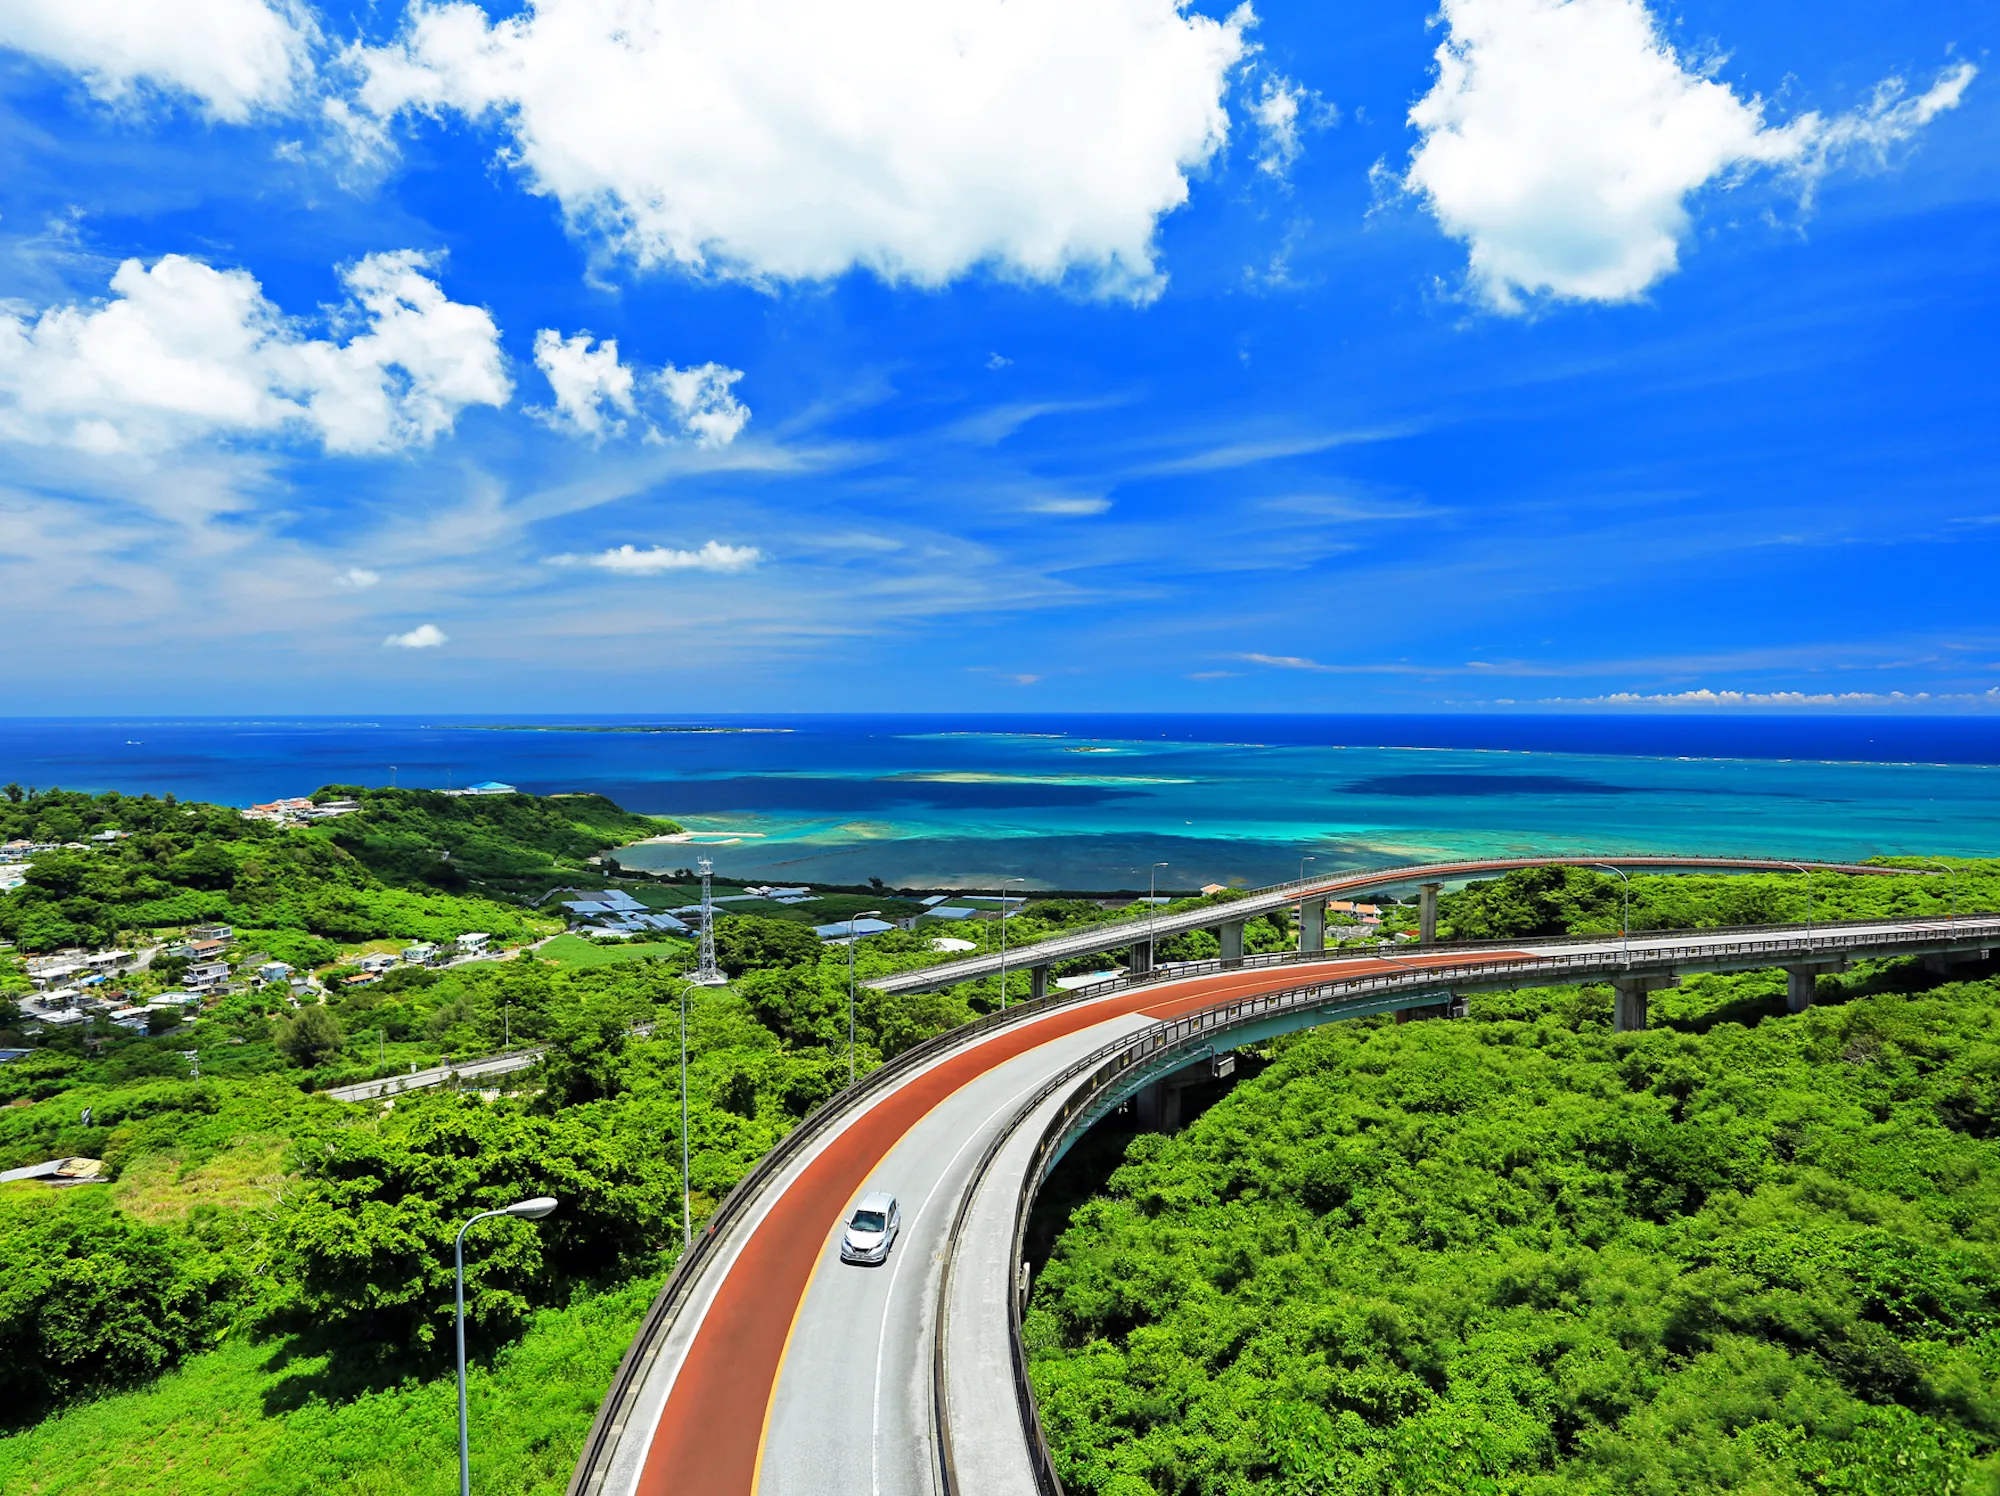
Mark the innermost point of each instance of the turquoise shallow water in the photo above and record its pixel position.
(1089, 803)
(1095, 812)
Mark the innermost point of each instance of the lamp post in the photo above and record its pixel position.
(1949, 868)
(852, 920)
(1003, 939)
(687, 1207)
(524, 1210)
(1302, 906)
(1152, 915)
(1625, 924)
(1808, 877)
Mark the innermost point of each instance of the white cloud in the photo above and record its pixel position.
(423, 636)
(591, 387)
(595, 392)
(360, 578)
(703, 404)
(1283, 110)
(782, 140)
(1056, 505)
(183, 352)
(631, 561)
(1705, 697)
(236, 57)
(1562, 139)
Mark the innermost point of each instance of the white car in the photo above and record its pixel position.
(871, 1229)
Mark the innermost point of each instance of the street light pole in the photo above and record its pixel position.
(852, 920)
(1626, 923)
(523, 1210)
(1003, 940)
(1949, 868)
(687, 1205)
(1152, 915)
(1808, 877)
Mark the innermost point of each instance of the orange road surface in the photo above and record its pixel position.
(710, 1433)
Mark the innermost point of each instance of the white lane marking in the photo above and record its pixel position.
(882, 1338)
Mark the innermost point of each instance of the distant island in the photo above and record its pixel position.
(591, 727)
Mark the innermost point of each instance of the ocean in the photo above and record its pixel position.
(1078, 802)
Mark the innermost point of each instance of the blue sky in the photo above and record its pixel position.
(981, 356)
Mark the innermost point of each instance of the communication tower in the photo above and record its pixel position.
(707, 973)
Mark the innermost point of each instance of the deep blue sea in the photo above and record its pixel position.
(1090, 802)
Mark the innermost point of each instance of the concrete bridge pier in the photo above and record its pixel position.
(1157, 1105)
(1231, 936)
(1038, 981)
(1945, 962)
(1139, 960)
(1628, 1004)
(1427, 913)
(1312, 926)
(1801, 980)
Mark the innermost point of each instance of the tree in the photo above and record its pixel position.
(747, 942)
(312, 1036)
(14, 793)
(586, 1060)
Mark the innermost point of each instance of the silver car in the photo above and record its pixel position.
(871, 1229)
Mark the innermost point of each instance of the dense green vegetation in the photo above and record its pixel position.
(1574, 900)
(299, 893)
(1521, 1254)
(493, 843)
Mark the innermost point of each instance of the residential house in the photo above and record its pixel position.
(421, 954)
(208, 976)
(271, 973)
(473, 942)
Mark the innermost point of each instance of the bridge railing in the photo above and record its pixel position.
(1112, 933)
(1104, 1071)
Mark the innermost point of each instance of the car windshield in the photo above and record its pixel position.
(867, 1220)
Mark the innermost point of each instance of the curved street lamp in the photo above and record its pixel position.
(1626, 923)
(1808, 877)
(852, 921)
(1152, 915)
(521, 1210)
(1950, 868)
(1003, 938)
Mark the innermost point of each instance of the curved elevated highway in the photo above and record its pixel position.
(767, 1365)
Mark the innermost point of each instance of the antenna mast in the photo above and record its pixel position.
(707, 973)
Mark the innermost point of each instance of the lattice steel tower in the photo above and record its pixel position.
(707, 973)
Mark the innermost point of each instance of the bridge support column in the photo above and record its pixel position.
(1139, 960)
(1628, 1004)
(1944, 962)
(1231, 935)
(1312, 926)
(1801, 980)
(1427, 913)
(1038, 981)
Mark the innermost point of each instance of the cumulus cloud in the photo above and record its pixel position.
(182, 352)
(234, 57)
(785, 140)
(1563, 138)
(423, 636)
(703, 404)
(595, 393)
(629, 560)
(592, 389)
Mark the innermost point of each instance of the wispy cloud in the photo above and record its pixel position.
(629, 560)
(1705, 697)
